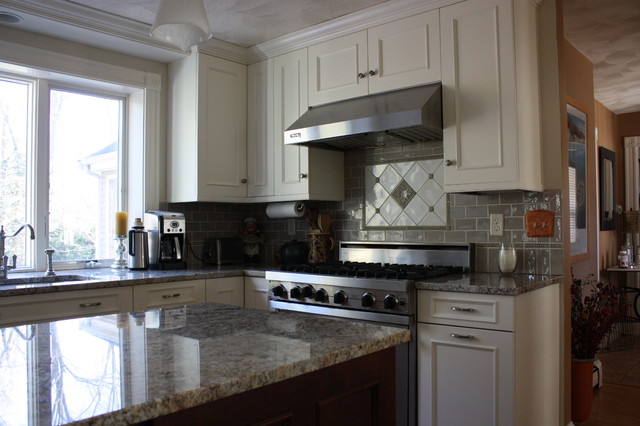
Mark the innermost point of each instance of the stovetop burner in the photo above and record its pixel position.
(374, 270)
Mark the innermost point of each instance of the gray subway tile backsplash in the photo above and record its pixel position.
(468, 213)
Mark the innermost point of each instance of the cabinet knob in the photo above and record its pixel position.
(372, 72)
(303, 176)
(361, 75)
(449, 162)
(243, 181)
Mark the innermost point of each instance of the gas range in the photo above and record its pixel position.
(371, 277)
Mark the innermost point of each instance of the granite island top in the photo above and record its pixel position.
(489, 283)
(131, 367)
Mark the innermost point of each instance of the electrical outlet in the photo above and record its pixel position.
(291, 227)
(496, 225)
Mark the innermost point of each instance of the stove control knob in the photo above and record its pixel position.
(321, 295)
(340, 297)
(390, 301)
(296, 292)
(308, 291)
(279, 291)
(368, 300)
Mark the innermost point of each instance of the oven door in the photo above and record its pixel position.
(406, 373)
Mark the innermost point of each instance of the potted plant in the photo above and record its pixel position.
(595, 309)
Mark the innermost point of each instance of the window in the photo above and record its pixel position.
(62, 169)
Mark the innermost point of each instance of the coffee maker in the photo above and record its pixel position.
(167, 232)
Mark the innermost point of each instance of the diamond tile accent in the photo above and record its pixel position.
(407, 194)
(403, 194)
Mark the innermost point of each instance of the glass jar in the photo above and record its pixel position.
(507, 258)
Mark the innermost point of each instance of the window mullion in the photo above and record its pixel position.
(41, 176)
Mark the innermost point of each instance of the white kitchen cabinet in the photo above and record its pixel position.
(228, 290)
(395, 55)
(256, 293)
(35, 308)
(207, 130)
(487, 359)
(490, 92)
(301, 173)
(260, 171)
(163, 295)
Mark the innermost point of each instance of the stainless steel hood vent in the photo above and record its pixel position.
(403, 116)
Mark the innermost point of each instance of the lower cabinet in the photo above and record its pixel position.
(163, 295)
(34, 308)
(228, 290)
(489, 360)
(256, 293)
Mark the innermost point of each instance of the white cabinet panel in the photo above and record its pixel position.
(162, 295)
(466, 376)
(260, 129)
(490, 96)
(228, 290)
(55, 306)
(256, 293)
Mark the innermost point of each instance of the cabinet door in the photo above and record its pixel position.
(338, 69)
(256, 293)
(260, 129)
(465, 376)
(289, 103)
(229, 290)
(405, 53)
(69, 304)
(162, 295)
(479, 94)
(222, 124)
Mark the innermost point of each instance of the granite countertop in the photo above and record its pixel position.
(490, 283)
(106, 277)
(127, 368)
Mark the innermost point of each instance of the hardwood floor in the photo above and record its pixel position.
(615, 405)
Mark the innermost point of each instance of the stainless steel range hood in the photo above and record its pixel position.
(403, 116)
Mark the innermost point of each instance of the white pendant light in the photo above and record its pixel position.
(182, 23)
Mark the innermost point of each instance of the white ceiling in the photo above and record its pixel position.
(608, 33)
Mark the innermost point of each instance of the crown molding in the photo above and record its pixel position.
(348, 24)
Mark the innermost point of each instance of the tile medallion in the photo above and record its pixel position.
(405, 195)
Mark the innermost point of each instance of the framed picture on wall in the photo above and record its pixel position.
(577, 145)
(607, 169)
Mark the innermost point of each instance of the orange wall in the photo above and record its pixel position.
(578, 72)
(607, 124)
(628, 125)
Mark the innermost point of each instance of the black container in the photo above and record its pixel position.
(294, 252)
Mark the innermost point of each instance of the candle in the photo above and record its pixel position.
(121, 223)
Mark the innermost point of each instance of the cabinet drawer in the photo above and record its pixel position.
(466, 309)
(56, 306)
(153, 296)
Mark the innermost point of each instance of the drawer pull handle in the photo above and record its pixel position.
(90, 305)
(459, 309)
(170, 296)
(461, 336)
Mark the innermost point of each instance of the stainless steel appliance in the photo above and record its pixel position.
(167, 231)
(372, 282)
(385, 119)
(138, 246)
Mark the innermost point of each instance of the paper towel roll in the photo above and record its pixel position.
(285, 210)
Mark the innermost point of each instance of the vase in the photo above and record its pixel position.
(507, 258)
(581, 389)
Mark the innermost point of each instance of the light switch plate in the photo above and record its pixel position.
(496, 224)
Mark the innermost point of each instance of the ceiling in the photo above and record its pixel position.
(608, 33)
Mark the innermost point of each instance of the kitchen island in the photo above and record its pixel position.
(211, 361)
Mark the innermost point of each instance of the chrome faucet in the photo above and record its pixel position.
(4, 259)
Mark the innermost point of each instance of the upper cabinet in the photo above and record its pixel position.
(399, 54)
(491, 96)
(260, 173)
(207, 145)
(301, 173)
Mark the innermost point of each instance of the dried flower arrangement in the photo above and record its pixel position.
(593, 316)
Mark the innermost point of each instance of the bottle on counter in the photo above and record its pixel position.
(623, 259)
(138, 246)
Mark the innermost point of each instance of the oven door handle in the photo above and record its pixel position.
(404, 320)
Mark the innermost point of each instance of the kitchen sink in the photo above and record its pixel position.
(43, 280)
